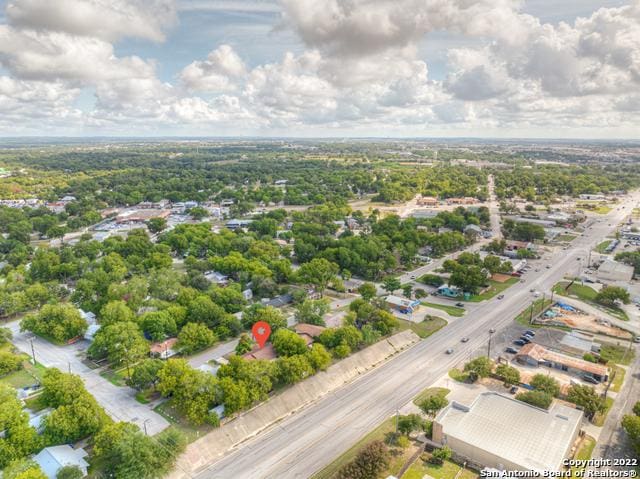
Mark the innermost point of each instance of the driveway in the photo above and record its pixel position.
(118, 402)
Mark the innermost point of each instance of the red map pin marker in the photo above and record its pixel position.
(261, 332)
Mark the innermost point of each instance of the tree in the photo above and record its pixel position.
(390, 284)
(114, 312)
(609, 295)
(369, 463)
(126, 452)
(312, 311)
(5, 335)
(432, 280)
(23, 469)
(19, 438)
(156, 225)
(636, 408)
(198, 213)
(245, 344)
(539, 399)
(9, 362)
(195, 337)
(409, 423)
(587, 398)
(292, 369)
(546, 384)
(270, 315)
(479, 367)
(431, 405)
(287, 343)
(509, 374)
(59, 321)
(631, 424)
(120, 343)
(70, 472)
(438, 456)
(319, 273)
(368, 291)
(407, 289)
(145, 374)
(319, 357)
(468, 278)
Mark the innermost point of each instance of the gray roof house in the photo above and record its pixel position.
(52, 459)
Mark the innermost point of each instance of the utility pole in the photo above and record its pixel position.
(144, 425)
(531, 316)
(489, 346)
(397, 416)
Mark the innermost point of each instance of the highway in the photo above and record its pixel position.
(308, 440)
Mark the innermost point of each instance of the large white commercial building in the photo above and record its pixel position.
(500, 432)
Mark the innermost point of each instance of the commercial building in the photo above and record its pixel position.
(427, 201)
(404, 305)
(593, 197)
(613, 271)
(501, 432)
(141, 215)
(536, 355)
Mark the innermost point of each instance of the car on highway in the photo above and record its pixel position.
(519, 342)
(449, 351)
(491, 331)
(464, 340)
(548, 266)
(500, 296)
(511, 350)
(460, 305)
(536, 294)
(413, 276)
(532, 290)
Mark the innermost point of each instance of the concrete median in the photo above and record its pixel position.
(209, 448)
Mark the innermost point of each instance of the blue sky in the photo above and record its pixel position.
(534, 68)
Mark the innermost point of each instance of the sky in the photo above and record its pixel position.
(320, 68)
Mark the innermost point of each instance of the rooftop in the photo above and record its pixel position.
(262, 353)
(541, 354)
(534, 438)
(613, 267)
(309, 329)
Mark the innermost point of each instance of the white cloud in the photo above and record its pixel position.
(218, 73)
(106, 19)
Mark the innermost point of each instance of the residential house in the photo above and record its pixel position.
(164, 349)
(52, 459)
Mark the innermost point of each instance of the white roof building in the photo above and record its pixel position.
(52, 459)
(613, 271)
(501, 432)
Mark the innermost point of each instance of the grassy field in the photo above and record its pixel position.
(599, 418)
(398, 457)
(429, 392)
(618, 379)
(585, 449)
(117, 377)
(452, 310)
(539, 305)
(27, 376)
(565, 238)
(494, 289)
(178, 422)
(425, 328)
(458, 375)
(448, 470)
(603, 246)
(588, 295)
(618, 354)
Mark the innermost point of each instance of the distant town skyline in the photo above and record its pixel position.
(320, 68)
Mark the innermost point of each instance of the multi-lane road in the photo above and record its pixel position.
(308, 440)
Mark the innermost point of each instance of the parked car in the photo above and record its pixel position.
(548, 266)
(519, 342)
(590, 379)
(460, 305)
(637, 338)
(500, 296)
(532, 290)
(528, 332)
(511, 350)
(513, 390)
(449, 351)
(526, 339)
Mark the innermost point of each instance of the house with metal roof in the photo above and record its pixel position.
(537, 355)
(500, 432)
(52, 459)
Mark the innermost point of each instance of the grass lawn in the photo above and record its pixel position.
(619, 354)
(178, 422)
(618, 379)
(458, 375)
(603, 246)
(588, 295)
(539, 305)
(117, 377)
(494, 288)
(429, 392)
(599, 418)
(565, 238)
(424, 329)
(452, 310)
(27, 376)
(585, 449)
(448, 470)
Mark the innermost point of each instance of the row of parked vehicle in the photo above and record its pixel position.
(526, 338)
